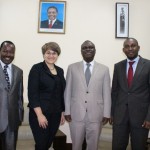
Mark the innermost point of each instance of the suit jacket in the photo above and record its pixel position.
(95, 97)
(11, 101)
(57, 24)
(42, 90)
(137, 97)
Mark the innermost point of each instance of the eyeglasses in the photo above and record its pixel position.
(128, 46)
(51, 53)
(91, 48)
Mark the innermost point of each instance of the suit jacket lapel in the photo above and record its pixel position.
(94, 72)
(138, 70)
(14, 76)
(81, 71)
(2, 76)
(124, 73)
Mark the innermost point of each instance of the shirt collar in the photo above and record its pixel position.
(135, 60)
(92, 63)
(2, 64)
(49, 21)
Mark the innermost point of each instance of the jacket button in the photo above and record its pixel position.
(87, 92)
(85, 101)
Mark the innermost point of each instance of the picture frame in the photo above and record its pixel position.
(52, 16)
(122, 20)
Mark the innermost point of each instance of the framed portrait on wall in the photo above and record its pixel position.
(122, 20)
(52, 16)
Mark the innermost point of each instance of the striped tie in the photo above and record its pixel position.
(6, 76)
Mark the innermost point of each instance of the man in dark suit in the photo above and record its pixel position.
(11, 97)
(52, 22)
(131, 99)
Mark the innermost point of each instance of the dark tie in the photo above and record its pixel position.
(130, 73)
(87, 73)
(50, 25)
(6, 76)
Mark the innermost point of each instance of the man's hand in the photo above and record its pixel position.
(105, 120)
(68, 118)
(111, 121)
(146, 124)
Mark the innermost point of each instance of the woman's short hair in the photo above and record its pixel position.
(51, 46)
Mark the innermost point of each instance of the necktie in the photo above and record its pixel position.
(87, 73)
(6, 76)
(130, 73)
(50, 25)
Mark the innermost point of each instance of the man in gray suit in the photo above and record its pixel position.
(11, 97)
(131, 99)
(87, 101)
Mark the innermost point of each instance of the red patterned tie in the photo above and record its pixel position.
(50, 25)
(130, 73)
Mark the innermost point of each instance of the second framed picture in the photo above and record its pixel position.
(52, 16)
(122, 20)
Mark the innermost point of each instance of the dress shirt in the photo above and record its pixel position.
(90, 67)
(53, 21)
(136, 60)
(9, 70)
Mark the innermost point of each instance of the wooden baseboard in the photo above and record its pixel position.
(68, 146)
(59, 142)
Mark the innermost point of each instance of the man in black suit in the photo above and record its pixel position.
(52, 21)
(131, 99)
(11, 97)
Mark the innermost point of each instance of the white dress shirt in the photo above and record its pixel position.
(136, 60)
(91, 66)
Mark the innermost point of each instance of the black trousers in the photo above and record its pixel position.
(8, 139)
(127, 128)
(44, 137)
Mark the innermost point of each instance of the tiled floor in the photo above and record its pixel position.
(25, 145)
(29, 145)
(103, 145)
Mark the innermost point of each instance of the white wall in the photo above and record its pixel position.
(85, 20)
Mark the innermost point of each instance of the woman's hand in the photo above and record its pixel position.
(62, 121)
(42, 121)
(41, 118)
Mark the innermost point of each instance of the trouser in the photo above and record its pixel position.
(81, 129)
(8, 139)
(44, 137)
(127, 129)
